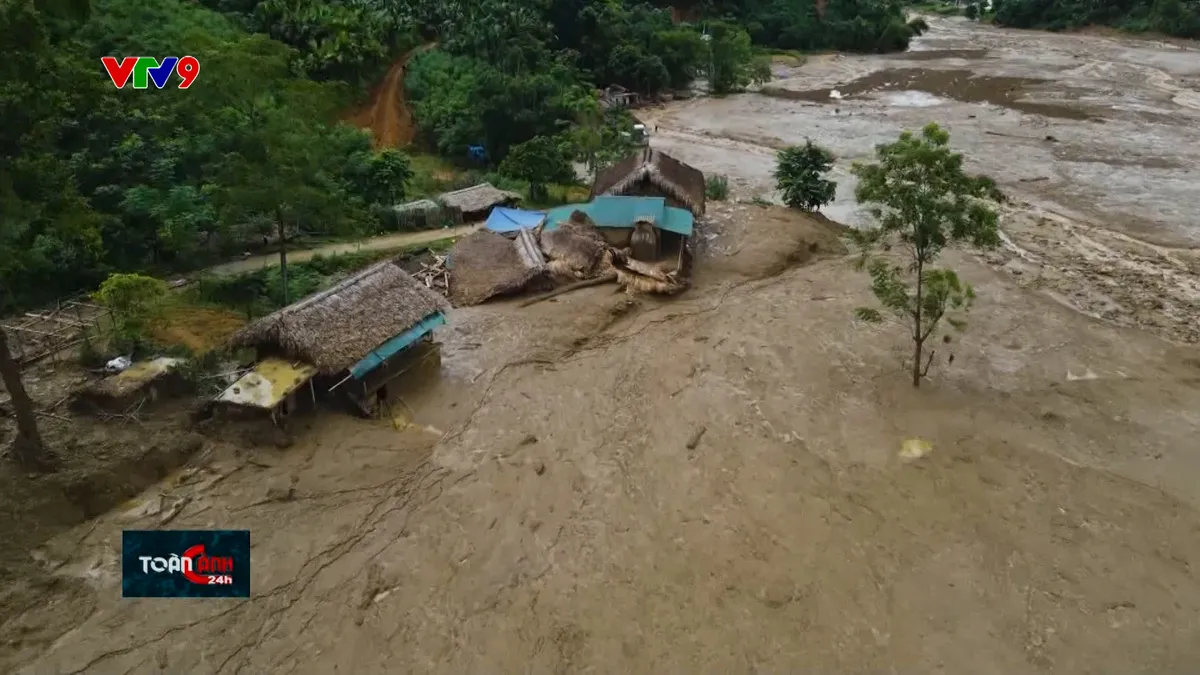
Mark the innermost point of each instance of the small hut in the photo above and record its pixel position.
(423, 214)
(651, 173)
(354, 337)
(475, 203)
(486, 264)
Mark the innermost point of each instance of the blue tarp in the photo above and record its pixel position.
(504, 219)
(611, 211)
(388, 349)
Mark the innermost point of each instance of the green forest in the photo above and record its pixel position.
(1180, 18)
(95, 180)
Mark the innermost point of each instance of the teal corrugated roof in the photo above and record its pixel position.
(610, 211)
(386, 350)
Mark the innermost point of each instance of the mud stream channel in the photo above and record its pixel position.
(1095, 139)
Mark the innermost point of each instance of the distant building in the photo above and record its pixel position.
(475, 203)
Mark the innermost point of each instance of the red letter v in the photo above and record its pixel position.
(119, 73)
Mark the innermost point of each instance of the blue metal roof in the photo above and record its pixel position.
(503, 219)
(402, 341)
(613, 211)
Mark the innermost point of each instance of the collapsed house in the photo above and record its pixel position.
(652, 173)
(142, 382)
(485, 264)
(623, 222)
(351, 340)
(636, 229)
(475, 203)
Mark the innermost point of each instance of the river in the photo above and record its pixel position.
(1095, 138)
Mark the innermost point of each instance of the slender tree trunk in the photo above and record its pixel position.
(917, 342)
(28, 447)
(282, 254)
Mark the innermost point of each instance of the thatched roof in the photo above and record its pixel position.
(485, 264)
(417, 206)
(336, 328)
(682, 182)
(478, 198)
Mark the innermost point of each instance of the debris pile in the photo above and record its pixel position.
(435, 275)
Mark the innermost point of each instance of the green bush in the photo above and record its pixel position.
(799, 175)
(717, 187)
(136, 302)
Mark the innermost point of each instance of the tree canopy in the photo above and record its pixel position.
(923, 201)
(95, 180)
(1180, 18)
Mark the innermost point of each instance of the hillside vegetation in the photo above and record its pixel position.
(95, 180)
(1179, 18)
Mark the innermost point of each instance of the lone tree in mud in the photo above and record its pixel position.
(799, 175)
(923, 200)
(27, 446)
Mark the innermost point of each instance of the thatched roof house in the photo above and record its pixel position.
(651, 173)
(476, 202)
(485, 264)
(337, 328)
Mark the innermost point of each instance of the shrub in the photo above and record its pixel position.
(799, 172)
(717, 187)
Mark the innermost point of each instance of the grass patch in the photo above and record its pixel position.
(198, 329)
(716, 187)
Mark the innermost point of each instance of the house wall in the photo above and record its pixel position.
(404, 372)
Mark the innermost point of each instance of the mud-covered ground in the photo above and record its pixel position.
(1096, 139)
(713, 483)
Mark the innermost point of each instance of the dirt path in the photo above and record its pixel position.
(387, 116)
(396, 240)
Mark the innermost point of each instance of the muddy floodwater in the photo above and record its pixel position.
(1095, 140)
(1105, 130)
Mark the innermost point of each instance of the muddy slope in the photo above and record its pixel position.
(706, 484)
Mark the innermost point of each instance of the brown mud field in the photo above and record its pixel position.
(714, 483)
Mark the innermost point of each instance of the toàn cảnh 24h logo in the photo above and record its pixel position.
(185, 563)
(146, 69)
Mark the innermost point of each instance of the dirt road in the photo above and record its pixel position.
(713, 483)
(395, 240)
(387, 116)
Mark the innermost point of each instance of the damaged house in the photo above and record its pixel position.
(353, 339)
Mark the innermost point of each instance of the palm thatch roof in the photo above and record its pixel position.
(484, 265)
(478, 198)
(336, 328)
(681, 182)
(576, 248)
